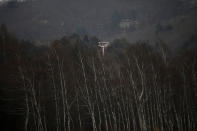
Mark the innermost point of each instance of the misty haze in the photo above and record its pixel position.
(98, 65)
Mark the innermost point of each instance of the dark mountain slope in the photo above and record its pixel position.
(49, 19)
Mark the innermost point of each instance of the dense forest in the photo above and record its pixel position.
(70, 86)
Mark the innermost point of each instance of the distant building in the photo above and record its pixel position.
(126, 24)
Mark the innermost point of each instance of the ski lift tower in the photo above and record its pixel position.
(103, 45)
